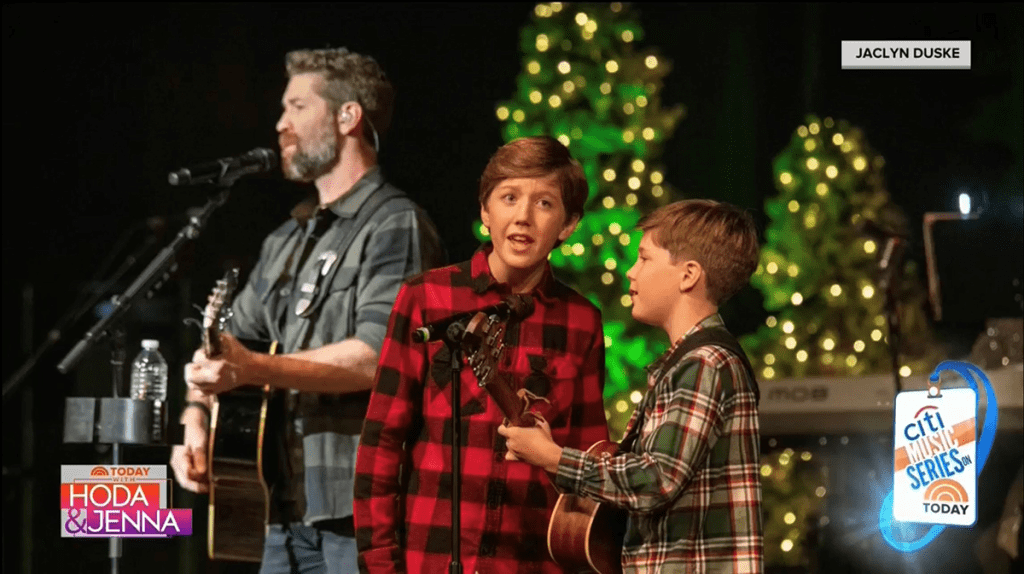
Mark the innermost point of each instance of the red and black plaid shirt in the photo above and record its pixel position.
(403, 469)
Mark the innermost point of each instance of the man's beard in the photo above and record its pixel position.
(309, 165)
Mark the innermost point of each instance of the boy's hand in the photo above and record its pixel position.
(532, 445)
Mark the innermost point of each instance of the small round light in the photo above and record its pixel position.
(612, 66)
(651, 62)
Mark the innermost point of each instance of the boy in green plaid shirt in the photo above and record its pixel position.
(687, 469)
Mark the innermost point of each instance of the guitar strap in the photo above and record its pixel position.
(366, 211)
(712, 336)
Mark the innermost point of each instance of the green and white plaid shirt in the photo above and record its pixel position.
(690, 478)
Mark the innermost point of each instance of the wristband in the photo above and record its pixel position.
(200, 406)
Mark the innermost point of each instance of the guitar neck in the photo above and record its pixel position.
(513, 406)
(211, 341)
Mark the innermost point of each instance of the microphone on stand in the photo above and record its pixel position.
(512, 307)
(225, 170)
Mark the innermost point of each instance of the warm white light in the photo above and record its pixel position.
(965, 204)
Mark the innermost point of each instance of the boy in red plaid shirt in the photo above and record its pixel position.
(531, 198)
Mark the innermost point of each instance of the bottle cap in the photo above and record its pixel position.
(150, 344)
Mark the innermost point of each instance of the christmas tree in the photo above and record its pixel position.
(819, 268)
(792, 492)
(585, 82)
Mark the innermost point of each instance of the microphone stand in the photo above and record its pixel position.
(76, 312)
(452, 341)
(111, 325)
(888, 282)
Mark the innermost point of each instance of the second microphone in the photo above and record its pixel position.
(511, 307)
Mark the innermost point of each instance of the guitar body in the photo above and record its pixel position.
(585, 535)
(238, 490)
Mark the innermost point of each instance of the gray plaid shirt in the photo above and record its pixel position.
(307, 291)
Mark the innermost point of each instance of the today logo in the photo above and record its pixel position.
(943, 496)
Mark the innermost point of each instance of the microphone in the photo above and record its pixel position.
(225, 170)
(512, 307)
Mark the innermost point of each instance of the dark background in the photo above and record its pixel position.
(101, 101)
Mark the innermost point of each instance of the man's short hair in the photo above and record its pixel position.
(719, 236)
(348, 77)
(539, 156)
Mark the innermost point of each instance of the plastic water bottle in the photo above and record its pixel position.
(149, 383)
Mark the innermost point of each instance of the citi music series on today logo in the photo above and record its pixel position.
(121, 501)
(934, 466)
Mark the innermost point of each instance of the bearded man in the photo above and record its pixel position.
(323, 290)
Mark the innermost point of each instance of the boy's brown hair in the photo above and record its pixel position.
(539, 156)
(721, 237)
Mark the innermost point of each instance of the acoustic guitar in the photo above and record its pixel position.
(583, 535)
(241, 465)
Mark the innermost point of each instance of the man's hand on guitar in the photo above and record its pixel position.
(228, 370)
(532, 445)
(189, 460)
